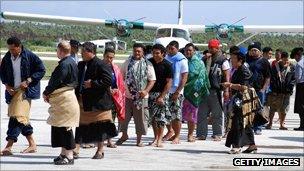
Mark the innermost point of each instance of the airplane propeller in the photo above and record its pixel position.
(123, 27)
(113, 39)
(224, 31)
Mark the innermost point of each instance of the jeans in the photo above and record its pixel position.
(15, 128)
(210, 104)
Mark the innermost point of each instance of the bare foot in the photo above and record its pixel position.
(30, 149)
(216, 138)
(140, 144)
(175, 141)
(153, 143)
(172, 138)
(111, 145)
(160, 145)
(191, 138)
(6, 152)
(168, 136)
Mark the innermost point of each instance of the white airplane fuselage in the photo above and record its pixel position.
(167, 33)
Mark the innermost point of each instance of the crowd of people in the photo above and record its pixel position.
(164, 87)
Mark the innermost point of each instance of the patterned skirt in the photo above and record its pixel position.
(160, 113)
(189, 112)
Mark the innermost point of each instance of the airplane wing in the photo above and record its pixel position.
(273, 28)
(196, 28)
(123, 26)
(248, 28)
(73, 20)
(51, 18)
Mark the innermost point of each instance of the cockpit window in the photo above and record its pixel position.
(165, 32)
(180, 33)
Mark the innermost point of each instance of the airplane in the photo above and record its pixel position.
(113, 43)
(165, 33)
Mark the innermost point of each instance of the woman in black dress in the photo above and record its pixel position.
(240, 125)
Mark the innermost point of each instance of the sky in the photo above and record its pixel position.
(195, 12)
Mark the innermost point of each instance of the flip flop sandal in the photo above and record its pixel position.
(120, 141)
(98, 156)
(75, 155)
(152, 143)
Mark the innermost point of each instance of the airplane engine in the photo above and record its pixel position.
(122, 26)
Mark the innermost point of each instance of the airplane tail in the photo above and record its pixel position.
(180, 12)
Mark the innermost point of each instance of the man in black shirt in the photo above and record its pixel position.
(260, 68)
(282, 83)
(64, 111)
(159, 97)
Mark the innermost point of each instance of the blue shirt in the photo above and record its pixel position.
(179, 66)
(75, 58)
(113, 85)
(300, 71)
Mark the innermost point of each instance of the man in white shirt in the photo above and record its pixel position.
(139, 77)
(180, 75)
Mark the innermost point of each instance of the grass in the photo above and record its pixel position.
(49, 67)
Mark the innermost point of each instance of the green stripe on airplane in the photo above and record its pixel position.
(238, 29)
(138, 25)
(209, 28)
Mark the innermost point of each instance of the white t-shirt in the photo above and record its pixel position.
(225, 65)
(151, 74)
(17, 70)
(184, 69)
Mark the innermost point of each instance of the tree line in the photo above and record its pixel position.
(40, 35)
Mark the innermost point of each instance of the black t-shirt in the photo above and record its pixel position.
(241, 76)
(163, 70)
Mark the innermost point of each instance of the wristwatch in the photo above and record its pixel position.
(28, 80)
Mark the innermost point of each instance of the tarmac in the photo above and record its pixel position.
(200, 155)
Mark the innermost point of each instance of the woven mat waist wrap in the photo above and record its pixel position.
(19, 107)
(87, 117)
(250, 101)
(64, 110)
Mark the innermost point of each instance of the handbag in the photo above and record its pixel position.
(252, 104)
